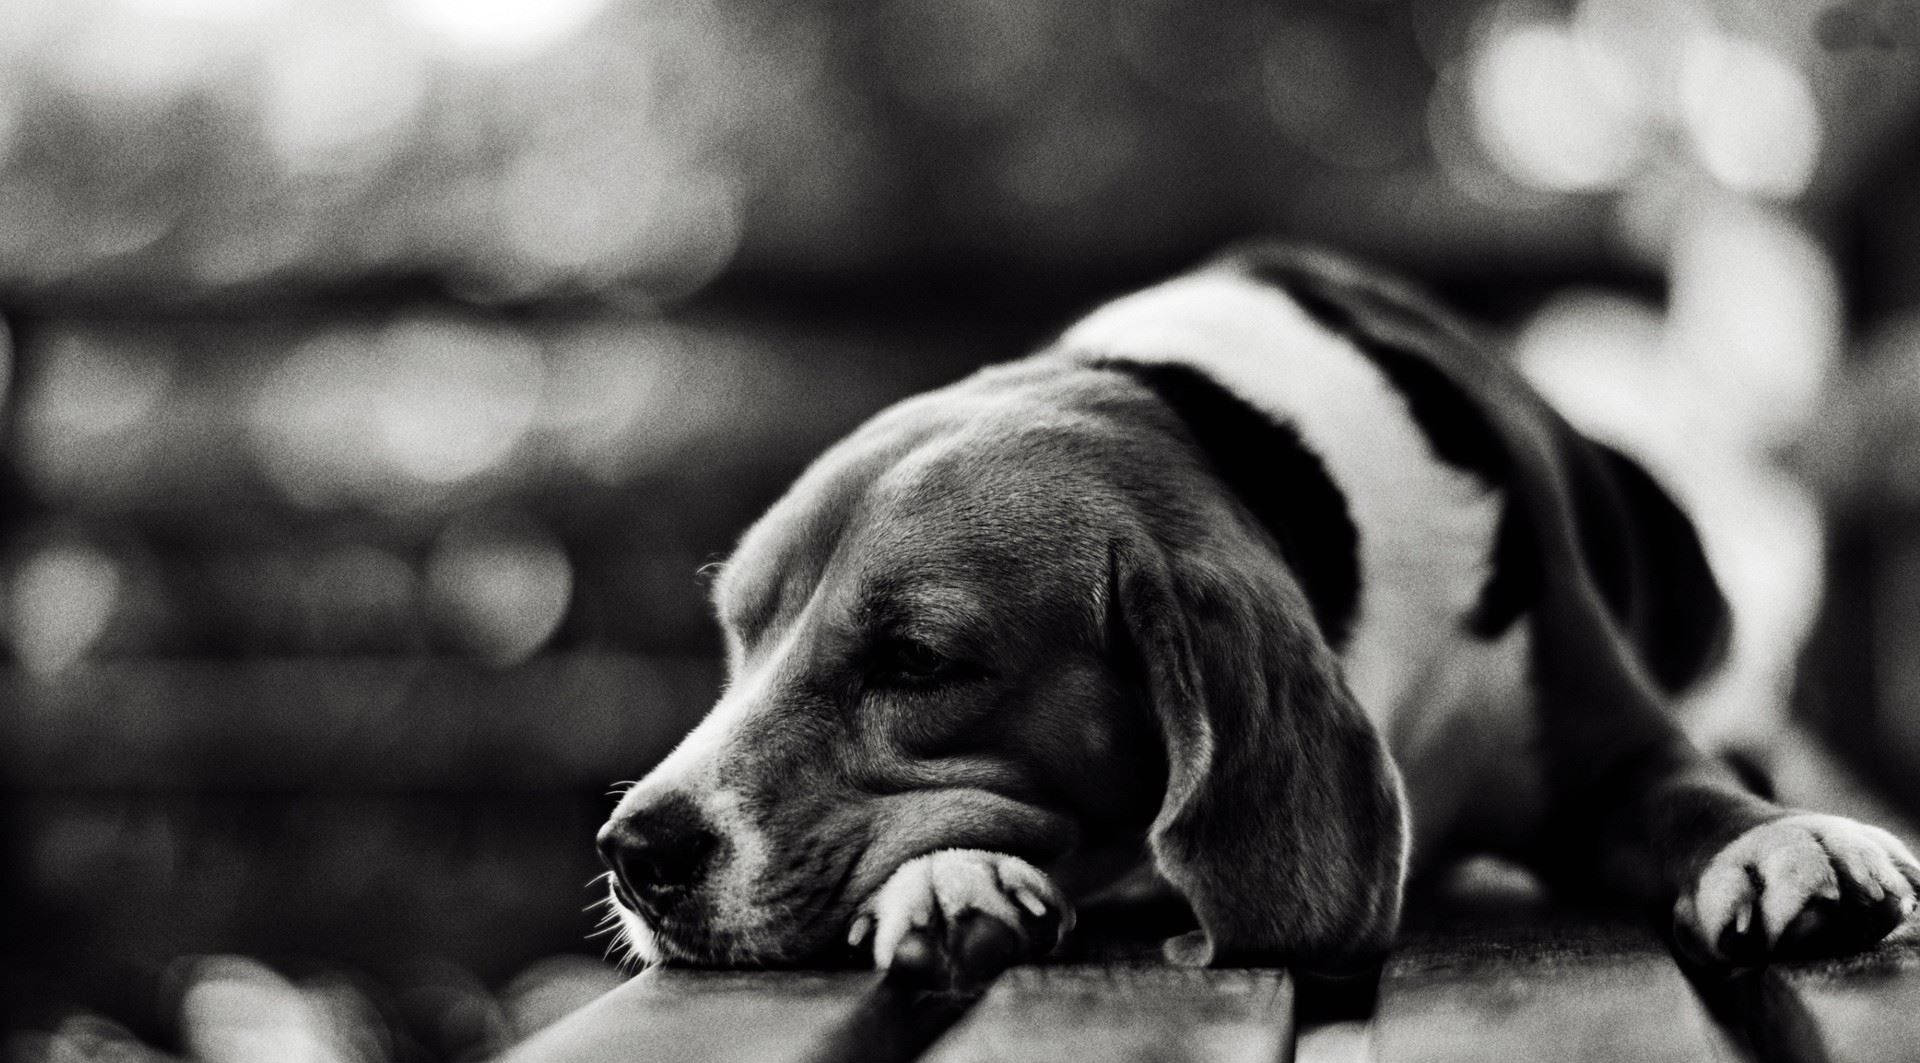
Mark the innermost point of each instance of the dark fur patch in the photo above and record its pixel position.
(1640, 549)
(1271, 470)
(1606, 535)
(1458, 432)
(1683, 623)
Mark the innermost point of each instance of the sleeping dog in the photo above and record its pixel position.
(1262, 587)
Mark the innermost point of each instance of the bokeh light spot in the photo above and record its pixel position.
(599, 211)
(454, 399)
(90, 387)
(502, 29)
(219, 11)
(312, 421)
(1554, 109)
(1754, 309)
(603, 388)
(1751, 116)
(62, 597)
(89, 410)
(501, 585)
(353, 417)
(336, 99)
(237, 1010)
(583, 207)
(148, 53)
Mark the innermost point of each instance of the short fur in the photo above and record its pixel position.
(1270, 577)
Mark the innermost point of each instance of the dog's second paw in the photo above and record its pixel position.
(954, 918)
(1802, 886)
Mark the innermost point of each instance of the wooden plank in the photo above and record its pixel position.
(1502, 977)
(665, 1015)
(1126, 1011)
(1343, 1041)
(1861, 1009)
(1594, 992)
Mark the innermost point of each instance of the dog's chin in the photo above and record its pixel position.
(678, 941)
(637, 943)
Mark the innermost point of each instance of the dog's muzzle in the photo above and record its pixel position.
(658, 853)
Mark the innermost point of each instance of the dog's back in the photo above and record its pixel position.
(1431, 631)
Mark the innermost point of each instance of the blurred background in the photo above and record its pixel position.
(378, 374)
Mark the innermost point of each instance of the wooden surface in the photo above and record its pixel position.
(748, 1017)
(1557, 987)
(1125, 1012)
(1486, 970)
(1864, 1009)
(1566, 990)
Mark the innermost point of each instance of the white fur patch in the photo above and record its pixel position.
(1466, 741)
(637, 936)
(1426, 529)
(732, 887)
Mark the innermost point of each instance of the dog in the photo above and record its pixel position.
(1265, 587)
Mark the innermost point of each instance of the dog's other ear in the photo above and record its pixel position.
(1283, 825)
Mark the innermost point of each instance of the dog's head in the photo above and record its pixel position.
(1019, 614)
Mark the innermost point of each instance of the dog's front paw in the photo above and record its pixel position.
(1802, 886)
(954, 918)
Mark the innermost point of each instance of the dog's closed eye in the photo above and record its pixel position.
(906, 662)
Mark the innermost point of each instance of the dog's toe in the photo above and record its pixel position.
(957, 917)
(1801, 886)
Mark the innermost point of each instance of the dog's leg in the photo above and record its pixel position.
(1635, 806)
(1639, 808)
(957, 917)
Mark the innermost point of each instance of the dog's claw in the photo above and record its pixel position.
(955, 918)
(857, 934)
(1802, 886)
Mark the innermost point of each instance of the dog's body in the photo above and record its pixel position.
(1452, 702)
(1262, 577)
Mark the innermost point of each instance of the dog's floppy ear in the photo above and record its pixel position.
(1283, 824)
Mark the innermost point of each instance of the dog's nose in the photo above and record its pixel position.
(658, 852)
